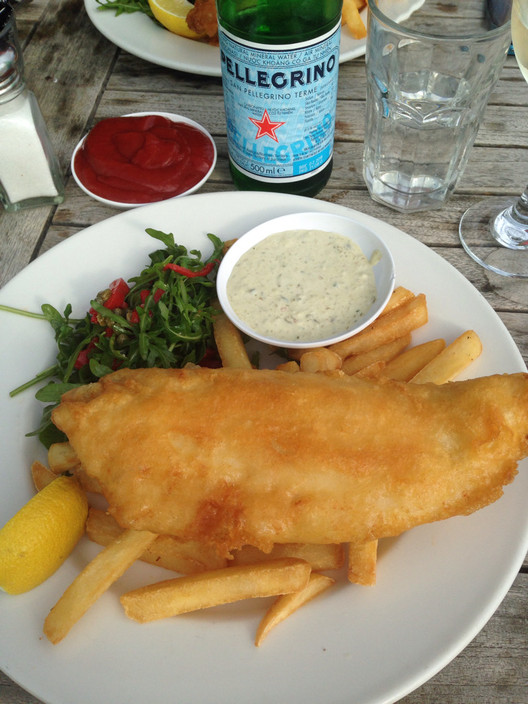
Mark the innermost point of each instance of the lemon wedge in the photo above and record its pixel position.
(39, 538)
(172, 15)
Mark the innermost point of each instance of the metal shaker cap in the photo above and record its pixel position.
(11, 63)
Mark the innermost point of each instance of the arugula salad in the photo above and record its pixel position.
(163, 317)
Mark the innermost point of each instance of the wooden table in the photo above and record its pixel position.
(79, 77)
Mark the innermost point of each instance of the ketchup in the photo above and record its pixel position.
(143, 159)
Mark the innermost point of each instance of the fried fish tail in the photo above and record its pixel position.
(233, 457)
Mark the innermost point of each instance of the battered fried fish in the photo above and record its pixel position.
(233, 457)
(202, 19)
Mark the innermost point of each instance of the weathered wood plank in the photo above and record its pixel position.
(501, 126)
(490, 171)
(133, 74)
(493, 669)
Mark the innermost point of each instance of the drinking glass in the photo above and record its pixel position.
(495, 232)
(428, 83)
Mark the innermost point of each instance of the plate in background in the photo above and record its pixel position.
(141, 37)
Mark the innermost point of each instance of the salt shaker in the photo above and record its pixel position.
(29, 170)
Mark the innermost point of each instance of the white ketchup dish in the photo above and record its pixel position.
(305, 280)
(144, 157)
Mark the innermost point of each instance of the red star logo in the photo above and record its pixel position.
(266, 126)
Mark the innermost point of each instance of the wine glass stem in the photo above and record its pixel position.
(510, 227)
(521, 207)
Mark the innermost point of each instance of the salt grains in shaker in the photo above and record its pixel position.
(29, 170)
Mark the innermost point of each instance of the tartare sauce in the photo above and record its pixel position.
(302, 285)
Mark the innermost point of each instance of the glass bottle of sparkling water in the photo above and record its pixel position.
(280, 62)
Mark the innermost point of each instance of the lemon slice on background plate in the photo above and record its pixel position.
(41, 535)
(172, 15)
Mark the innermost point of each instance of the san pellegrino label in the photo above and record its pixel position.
(280, 103)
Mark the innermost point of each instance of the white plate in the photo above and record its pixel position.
(140, 36)
(437, 584)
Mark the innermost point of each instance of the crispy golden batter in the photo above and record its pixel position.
(202, 19)
(234, 457)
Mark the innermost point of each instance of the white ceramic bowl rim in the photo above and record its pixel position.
(364, 237)
(171, 116)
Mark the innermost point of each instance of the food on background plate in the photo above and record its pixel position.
(352, 19)
(234, 457)
(203, 20)
(199, 21)
(173, 15)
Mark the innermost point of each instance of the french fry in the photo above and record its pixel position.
(287, 604)
(362, 560)
(320, 557)
(41, 475)
(88, 483)
(94, 580)
(396, 323)
(334, 373)
(296, 353)
(372, 371)
(432, 361)
(451, 361)
(166, 551)
(291, 367)
(229, 343)
(399, 296)
(62, 457)
(228, 244)
(353, 19)
(408, 363)
(383, 353)
(201, 591)
(320, 359)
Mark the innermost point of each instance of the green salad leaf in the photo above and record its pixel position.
(163, 317)
(121, 7)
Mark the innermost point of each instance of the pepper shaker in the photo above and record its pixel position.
(29, 170)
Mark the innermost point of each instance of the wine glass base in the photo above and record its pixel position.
(476, 236)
